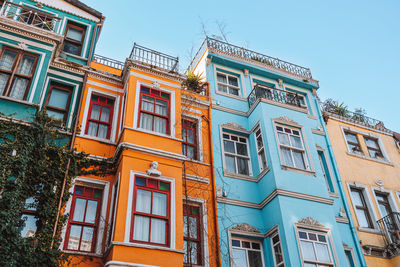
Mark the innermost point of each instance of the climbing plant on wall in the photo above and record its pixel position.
(33, 162)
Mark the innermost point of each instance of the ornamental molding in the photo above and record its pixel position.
(286, 120)
(106, 77)
(379, 183)
(155, 71)
(245, 227)
(68, 67)
(234, 126)
(309, 221)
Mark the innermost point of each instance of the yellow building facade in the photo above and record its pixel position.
(368, 160)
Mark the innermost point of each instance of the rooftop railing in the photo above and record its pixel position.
(109, 62)
(154, 58)
(273, 94)
(250, 55)
(29, 16)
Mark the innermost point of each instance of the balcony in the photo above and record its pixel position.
(109, 62)
(226, 48)
(390, 228)
(154, 58)
(275, 95)
(29, 16)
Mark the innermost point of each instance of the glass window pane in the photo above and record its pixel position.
(312, 236)
(159, 204)
(255, 258)
(233, 91)
(105, 114)
(74, 237)
(79, 210)
(147, 103)
(371, 143)
(241, 149)
(193, 227)
(235, 243)
(351, 137)
(95, 114)
(245, 244)
(30, 225)
(322, 252)
(362, 218)
(58, 98)
(30, 203)
(161, 107)
(26, 65)
(222, 88)
(103, 130)
(299, 160)
(55, 115)
(160, 125)
(87, 239)
(221, 78)
(141, 228)
(146, 121)
(91, 211)
(158, 228)
(296, 141)
(286, 157)
(92, 129)
(75, 34)
(278, 254)
(307, 250)
(78, 190)
(303, 235)
(140, 181)
(3, 82)
(233, 81)
(230, 164)
(7, 60)
(229, 146)
(19, 87)
(357, 198)
(71, 48)
(243, 166)
(283, 139)
(97, 193)
(143, 201)
(193, 249)
(190, 136)
(164, 186)
(321, 238)
(239, 258)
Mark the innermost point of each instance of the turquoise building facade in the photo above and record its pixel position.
(279, 195)
(45, 50)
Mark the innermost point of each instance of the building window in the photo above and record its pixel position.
(302, 100)
(246, 253)
(154, 110)
(361, 208)
(151, 213)
(383, 204)
(16, 72)
(352, 143)
(58, 99)
(191, 235)
(262, 160)
(28, 216)
(326, 172)
(100, 117)
(74, 37)
(83, 219)
(236, 154)
(315, 249)
(189, 137)
(113, 212)
(277, 249)
(228, 84)
(373, 147)
(291, 146)
(350, 258)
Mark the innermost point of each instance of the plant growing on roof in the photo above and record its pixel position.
(194, 82)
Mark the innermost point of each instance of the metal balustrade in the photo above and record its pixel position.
(29, 16)
(109, 62)
(154, 58)
(390, 228)
(273, 94)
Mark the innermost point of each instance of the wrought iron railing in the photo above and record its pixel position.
(29, 16)
(251, 55)
(273, 94)
(390, 228)
(109, 62)
(154, 58)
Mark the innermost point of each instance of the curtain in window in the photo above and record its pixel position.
(74, 34)
(158, 231)
(105, 114)
(298, 160)
(255, 258)
(283, 139)
(161, 107)
(307, 250)
(159, 204)
(92, 130)
(87, 238)
(322, 252)
(26, 65)
(243, 166)
(7, 60)
(18, 88)
(30, 225)
(143, 201)
(160, 125)
(95, 114)
(239, 257)
(141, 228)
(230, 164)
(296, 141)
(103, 129)
(3, 82)
(147, 103)
(146, 121)
(286, 157)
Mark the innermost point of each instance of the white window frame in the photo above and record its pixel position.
(103, 212)
(291, 148)
(227, 75)
(260, 150)
(328, 243)
(390, 197)
(271, 236)
(368, 202)
(236, 155)
(350, 250)
(113, 207)
(323, 151)
(261, 250)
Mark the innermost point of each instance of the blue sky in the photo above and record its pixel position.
(351, 47)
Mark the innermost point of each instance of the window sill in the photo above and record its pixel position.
(75, 56)
(331, 194)
(154, 133)
(369, 230)
(289, 168)
(101, 140)
(240, 176)
(383, 161)
(197, 161)
(18, 101)
(231, 96)
(88, 254)
(137, 245)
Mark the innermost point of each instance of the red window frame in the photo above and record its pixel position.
(101, 101)
(187, 124)
(155, 94)
(87, 194)
(188, 211)
(166, 218)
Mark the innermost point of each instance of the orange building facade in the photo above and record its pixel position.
(159, 207)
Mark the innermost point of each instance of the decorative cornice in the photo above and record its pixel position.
(311, 222)
(104, 76)
(196, 178)
(317, 131)
(286, 120)
(193, 101)
(150, 151)
(245, 227)
(66, 65)
(154, 70)
(235, 127)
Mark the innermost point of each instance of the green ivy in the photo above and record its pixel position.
(33, 161)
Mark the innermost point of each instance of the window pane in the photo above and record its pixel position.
(105, 114)
(3, 81)
(7, 60)
(74, 237)
(147, 103)
(362, 218)
(193, 227)
(312, 265)
(146, 121)
(278, 254)
(229, 146)
(103, 130)
(222, 88)
(91, 211)
(26, 65)
(351, 137)
(55, 114)
(190, 136)
(239, 257)
(357, 198)
(243, 166)
(161, 107)
(263, 160)
(87, 238)
(283, 139)
(371, 143)
(299, 160)
(233, 81)
(79, 210)
(230, 164)
(141, 228)
(30, 225)
(19, 87)
(71, 48)
(75, 34)
(286, 157)
(233, 91)
(322, 252)
(190, 152)
(255, 259)
(95, 114)
(160, 125)
(307, 250)
(164, 186)
(296, 141)
(235, 243)
(159, 204)
(158, 231)
(143, 201)
(193, 249)
(259, 142)
(58, 98)
(241, 149)
(92, 130)
(221, 78)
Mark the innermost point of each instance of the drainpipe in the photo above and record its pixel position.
(100, 26)
(341, 189)
(69, 160)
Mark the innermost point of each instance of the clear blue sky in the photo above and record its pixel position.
(352, 47)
